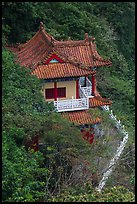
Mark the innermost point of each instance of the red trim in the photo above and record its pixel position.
(77, 89)
(55, 90)
(53, 56)
(87, 135)
(93, 84)
(91, 138)
(35, 143)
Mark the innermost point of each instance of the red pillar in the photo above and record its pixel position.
(93, 84)
(35, 143)
(55, 91)
(77, 88)
(91, 138)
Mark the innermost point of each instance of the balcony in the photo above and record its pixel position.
(72, 104)
(76, 104)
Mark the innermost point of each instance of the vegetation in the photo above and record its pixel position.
(115, 194)
(25, 114)
(50, 174)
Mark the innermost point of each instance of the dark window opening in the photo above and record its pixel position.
(61, 92)
(49, 93)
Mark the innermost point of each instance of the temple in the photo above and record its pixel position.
(68, 70)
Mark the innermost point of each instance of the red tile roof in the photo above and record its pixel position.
(60, 70)
(31, 53)
(98, 101)
(38, 48)
(82, 52)
(81, 117)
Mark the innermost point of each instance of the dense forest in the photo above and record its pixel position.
(51, 174)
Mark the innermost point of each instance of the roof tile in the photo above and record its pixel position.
(60, 70)
(84, 52)
(81, 117)
(98, 101)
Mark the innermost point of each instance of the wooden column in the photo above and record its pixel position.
(85, 81)
(77, 88)
(35, 143)
(55, 91)
(93, 84)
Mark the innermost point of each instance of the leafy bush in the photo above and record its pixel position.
(115, 194)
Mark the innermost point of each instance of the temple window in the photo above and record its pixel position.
(50, 93)
(53, 60)
(61, 92)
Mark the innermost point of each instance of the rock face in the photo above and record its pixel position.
(92, 171)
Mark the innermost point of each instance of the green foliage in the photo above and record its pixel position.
(115, 194)
(21, 172)
(23, 104)
(26, 114)
(18, 91)
(132, 179)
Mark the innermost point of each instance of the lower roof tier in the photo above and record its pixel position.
(60, 70)
(97, 101)
(81, 117)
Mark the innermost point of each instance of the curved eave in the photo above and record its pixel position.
(32, 52)
(87, 57)
(98, 63)
(98, 101)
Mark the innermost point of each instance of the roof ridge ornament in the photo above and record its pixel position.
(52, 40)
(41, 25)
(86, 37)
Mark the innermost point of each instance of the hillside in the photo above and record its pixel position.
(37, 176)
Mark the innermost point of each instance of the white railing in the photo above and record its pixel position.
(118, 124)
(81, 92)
(119, 151)
(88, 82)
(71, 104)
(87, 90)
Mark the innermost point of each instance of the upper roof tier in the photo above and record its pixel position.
(35, 51)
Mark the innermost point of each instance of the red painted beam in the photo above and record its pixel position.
(35, 143)
(91, 138)
(88, 135)
(55, 91)
(93, 84)
(77, 88)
